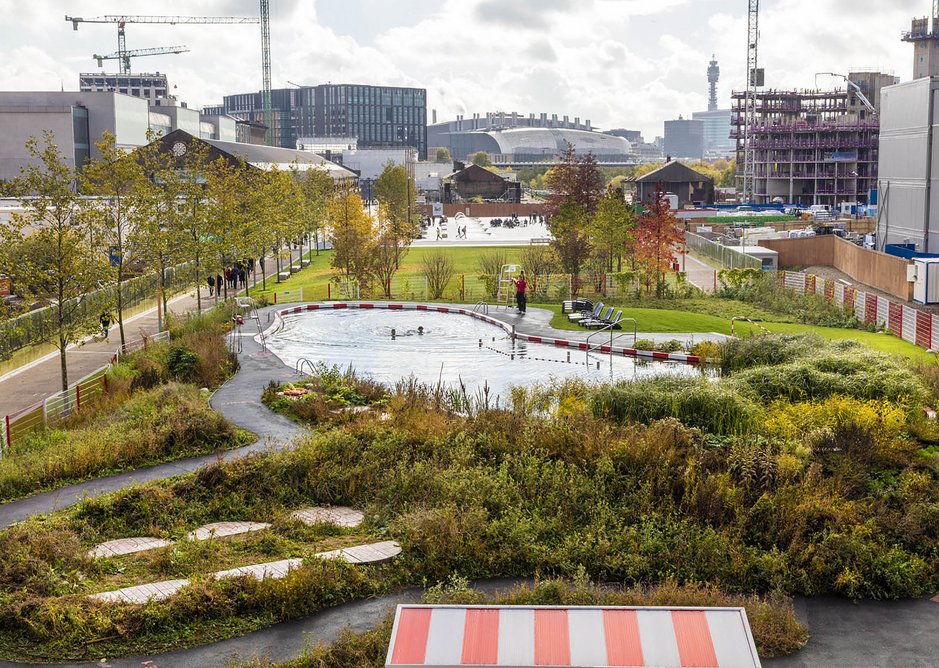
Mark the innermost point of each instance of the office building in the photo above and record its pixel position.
(149, 86)
(684, 138)
(376, 116)
(79, 119)
(717, 141)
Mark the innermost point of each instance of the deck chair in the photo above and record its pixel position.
(599, 320)
(584, 315)
(613, 322)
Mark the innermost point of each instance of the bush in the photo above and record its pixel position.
(168, 422)
(699, 403)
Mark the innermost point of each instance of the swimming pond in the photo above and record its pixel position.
(444, 347)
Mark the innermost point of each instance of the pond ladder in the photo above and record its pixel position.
(613, 338)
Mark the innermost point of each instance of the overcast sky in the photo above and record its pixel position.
(620, 63)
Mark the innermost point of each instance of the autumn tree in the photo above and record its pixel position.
(385, 256)
(612, 227)
(571, 240)
(316, 190)
(195, 228)
(353, 235)
(394, 188)
(55, 252)
(658, 236)
(574, 178)
(481, 159)
(228, 187)
(115, 179)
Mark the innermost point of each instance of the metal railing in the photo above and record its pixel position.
(609, 328)
(729, 258)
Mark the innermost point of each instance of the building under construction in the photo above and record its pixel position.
(812, 147)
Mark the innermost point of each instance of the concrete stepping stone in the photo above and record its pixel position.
(360, 554)
(338, 515)
(142, 593)
(222, 529)
(373, 553)
(113, 548)
(272, 569)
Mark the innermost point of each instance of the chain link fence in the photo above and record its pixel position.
(727, 257)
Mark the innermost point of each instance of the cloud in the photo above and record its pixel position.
(620, 63)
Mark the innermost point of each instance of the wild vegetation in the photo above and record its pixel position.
(667, 490)
(153, 412)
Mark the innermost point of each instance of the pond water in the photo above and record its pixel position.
(448, 350)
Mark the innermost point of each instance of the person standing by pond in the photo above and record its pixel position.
(520, 297)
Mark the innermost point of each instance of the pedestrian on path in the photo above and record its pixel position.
(218, 285)
(211, 285)
(105, 320)
(520, 298)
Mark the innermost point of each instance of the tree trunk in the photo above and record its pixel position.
(277, 260)
(120, 297)
(62, 365)
(198, 285)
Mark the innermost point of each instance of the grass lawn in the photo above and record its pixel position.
(653, 320)
(314, 278)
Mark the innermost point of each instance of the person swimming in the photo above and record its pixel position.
(420, 330)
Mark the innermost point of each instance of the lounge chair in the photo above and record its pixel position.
(600, 323)
(576, 306)
(588, 322)
(583, 315)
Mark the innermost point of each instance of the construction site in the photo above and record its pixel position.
(809, 147)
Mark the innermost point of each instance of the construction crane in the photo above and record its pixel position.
(851, 86)
(136, 53)
(266, 70)
(123, 20)
(754, 80)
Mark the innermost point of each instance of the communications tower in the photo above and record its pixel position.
(714, 73)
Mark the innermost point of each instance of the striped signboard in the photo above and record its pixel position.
(448, 636)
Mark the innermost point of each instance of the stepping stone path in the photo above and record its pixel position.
(222, 529)
(114, 548)
(360, 554)
(338, 515)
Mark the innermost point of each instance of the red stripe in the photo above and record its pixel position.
(923, 330)
(605, 349)
(534, 339)
(895, 315)
(296, 309)
(422, 307)
(693, 358)
(339, 305)
(365, 305)
(552, 638)
(693, 635)
(659, 356)
(442, 309)
(481, 638)
(411, 639)
(870, 308)
(629, 351)
(623, 644)
(395, 307)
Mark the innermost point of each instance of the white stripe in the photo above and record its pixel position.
(445, 637)
(729, 637)
(516, 637)
(588, 639)
(657, 634)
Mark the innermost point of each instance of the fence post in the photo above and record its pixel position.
(9, 436)
(329, 292)
(275, 297)
(463, 287)
(78, 398)
(105, 377)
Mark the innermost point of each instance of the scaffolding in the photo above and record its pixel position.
(807, 147)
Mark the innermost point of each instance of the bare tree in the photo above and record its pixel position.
(437, 267)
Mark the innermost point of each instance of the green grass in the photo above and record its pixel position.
(658, 321)
(314, 278)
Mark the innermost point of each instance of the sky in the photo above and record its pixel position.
(619, 63)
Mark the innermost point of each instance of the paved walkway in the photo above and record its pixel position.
(239, 400)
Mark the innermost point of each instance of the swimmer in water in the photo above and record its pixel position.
(420, 330)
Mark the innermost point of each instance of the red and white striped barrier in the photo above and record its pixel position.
(519, 636)
(560, 343)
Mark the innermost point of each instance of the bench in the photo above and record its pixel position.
(540, 241)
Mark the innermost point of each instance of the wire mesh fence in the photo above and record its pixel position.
(42, 325)
(727, 257)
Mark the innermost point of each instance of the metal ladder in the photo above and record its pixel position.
(613, 338)
(506, 288)
(481, 307)
(302, 364)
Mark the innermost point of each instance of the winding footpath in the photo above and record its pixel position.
(869, 634)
